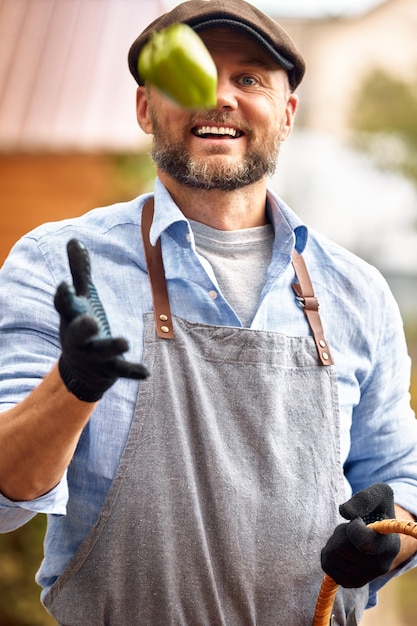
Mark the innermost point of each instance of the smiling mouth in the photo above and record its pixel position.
(216, 131)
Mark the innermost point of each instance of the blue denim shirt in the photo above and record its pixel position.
(360, 318)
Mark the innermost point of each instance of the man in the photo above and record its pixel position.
(205, 493)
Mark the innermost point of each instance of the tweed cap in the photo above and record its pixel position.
(237, 14)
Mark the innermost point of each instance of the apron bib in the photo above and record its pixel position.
(226, 492)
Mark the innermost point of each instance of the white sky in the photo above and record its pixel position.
(315, 8)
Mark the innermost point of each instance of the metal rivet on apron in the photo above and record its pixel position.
(165, 329)
(164, 318)
(322, 343)
(325, 356)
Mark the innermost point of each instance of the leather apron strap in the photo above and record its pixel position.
(305, 294)
(162, 312)
(153, 254)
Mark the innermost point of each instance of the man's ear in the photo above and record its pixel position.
(142, 110)
(291, 108)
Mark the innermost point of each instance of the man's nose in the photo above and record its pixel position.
(226, 94)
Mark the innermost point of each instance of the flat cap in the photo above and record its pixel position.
(237, 14)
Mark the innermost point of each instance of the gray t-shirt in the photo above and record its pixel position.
(240, 260)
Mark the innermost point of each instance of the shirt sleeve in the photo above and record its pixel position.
(384, 427)
(29, 348)
(15, 514)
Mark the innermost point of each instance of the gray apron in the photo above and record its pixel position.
(226, 492)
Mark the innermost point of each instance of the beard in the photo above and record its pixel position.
(210, 173)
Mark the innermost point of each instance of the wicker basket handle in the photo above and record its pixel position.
(329, 588)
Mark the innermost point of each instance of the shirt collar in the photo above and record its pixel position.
(288, 227)
(166, 212)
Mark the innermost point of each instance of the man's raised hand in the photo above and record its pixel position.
(91, 360)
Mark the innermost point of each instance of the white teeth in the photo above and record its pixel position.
(215, 130)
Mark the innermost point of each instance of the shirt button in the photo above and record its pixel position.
(188, 237)
(213, 294)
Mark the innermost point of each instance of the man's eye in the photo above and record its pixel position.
(248, 81)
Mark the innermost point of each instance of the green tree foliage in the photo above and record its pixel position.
(20, 556)
(384, 122)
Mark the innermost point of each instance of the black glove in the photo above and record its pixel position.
(354, 555)
(91, 359)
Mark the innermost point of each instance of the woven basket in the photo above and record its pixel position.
(329, 588)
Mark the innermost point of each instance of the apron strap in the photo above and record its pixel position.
(162, 312)
(153, 254)
(305, 294)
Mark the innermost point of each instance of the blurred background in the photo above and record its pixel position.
(69, 142)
